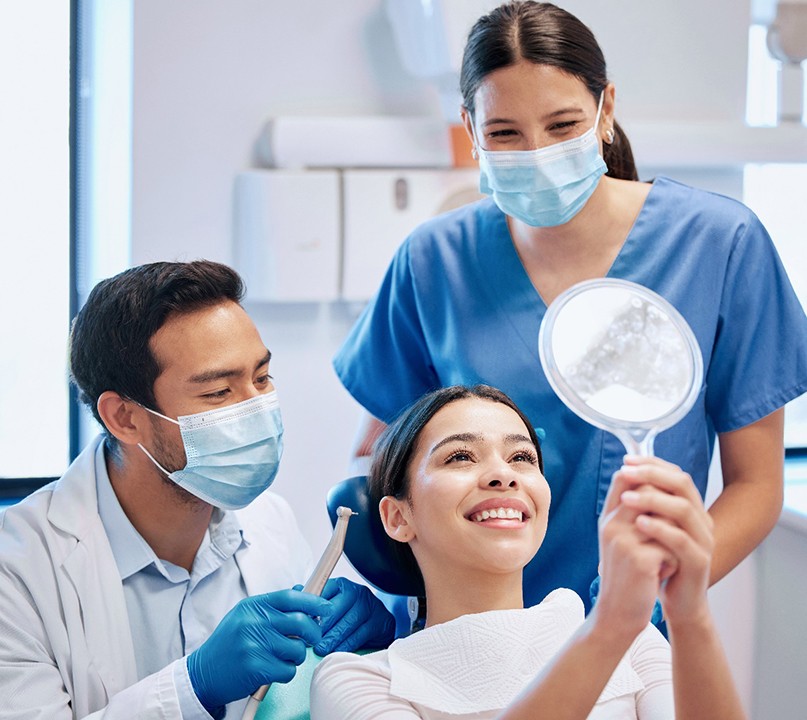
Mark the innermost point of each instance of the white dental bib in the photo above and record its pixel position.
(474, 666)
(481, 662)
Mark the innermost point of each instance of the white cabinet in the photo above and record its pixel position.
(323, 235)
(287, 234)
(381, 207)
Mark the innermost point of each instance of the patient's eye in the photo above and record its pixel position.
(460, 455)
(525, 455)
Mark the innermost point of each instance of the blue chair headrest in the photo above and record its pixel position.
(367, 546)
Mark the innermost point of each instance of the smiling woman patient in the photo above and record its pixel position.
(460, 487)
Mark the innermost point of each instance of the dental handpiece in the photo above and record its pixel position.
(314, 585)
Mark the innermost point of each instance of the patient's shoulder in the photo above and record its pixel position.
(348, 685)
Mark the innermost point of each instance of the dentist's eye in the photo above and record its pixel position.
(217, 395)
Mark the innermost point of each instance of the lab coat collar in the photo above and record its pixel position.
(74, 504)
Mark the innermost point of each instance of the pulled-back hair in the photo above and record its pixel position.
(393, 451)
(543, 34)
(109, 340)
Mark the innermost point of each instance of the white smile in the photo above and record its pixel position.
(497, 513)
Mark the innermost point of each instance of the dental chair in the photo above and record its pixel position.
(370, 552)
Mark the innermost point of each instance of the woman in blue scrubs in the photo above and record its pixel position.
(463, 299)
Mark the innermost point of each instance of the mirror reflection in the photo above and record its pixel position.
(621, 357)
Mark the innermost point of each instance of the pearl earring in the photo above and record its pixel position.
(474, 154)
(609, 136)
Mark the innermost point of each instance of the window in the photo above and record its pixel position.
(34, 225)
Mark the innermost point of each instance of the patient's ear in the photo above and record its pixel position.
(394, 518)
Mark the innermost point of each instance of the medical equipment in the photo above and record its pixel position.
(622, 358)
(314, 585)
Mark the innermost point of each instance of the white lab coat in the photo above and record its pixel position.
(65, 643)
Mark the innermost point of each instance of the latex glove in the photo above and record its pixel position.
(358, 619)
(260, 641)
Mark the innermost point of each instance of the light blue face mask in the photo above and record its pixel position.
(233, 452)
(544, 187)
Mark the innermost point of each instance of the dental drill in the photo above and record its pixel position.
(314, 585)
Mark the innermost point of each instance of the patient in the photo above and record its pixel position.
(460, 488)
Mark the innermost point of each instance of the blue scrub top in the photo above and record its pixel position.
(457, 307)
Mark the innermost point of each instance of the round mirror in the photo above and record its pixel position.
(622, 358)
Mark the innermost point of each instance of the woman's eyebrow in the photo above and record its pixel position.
(517, 438)
(457, 437)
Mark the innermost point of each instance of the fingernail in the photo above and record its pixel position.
(629, 469)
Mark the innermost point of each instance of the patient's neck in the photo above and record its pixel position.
(450, 595)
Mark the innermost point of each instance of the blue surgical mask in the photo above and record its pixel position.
(232, 452)
(544, 187)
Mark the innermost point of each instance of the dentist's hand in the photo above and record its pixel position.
(357, 619)
(260, 641)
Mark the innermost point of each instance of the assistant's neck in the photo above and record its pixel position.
(169, 519)
(555, 258)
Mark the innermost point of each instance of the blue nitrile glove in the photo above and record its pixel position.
(260, 641)
(358, 619)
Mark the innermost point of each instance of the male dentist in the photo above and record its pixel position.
(153, 579)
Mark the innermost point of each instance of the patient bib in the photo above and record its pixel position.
(479, 663)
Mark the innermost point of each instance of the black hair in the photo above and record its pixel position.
(393, 451)
(544, 34)
(109, 340)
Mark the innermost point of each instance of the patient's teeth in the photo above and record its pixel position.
(495, 513)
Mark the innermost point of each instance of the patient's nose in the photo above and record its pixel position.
(501, 475)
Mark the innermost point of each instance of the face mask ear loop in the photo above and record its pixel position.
(599, 110)
(154, 412)
(476, 150)
(151, 457)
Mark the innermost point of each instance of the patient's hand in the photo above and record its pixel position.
(632, 566)
(670, 513)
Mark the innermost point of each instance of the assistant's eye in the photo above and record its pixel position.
(565, 126)
(507, 132)
(263, 380)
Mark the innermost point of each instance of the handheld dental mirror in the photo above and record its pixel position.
(622, 358)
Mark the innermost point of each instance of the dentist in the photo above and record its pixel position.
(153, 579)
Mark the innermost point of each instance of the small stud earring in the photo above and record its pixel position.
(609, 136)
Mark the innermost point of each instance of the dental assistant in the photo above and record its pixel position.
(463, 299)
(153, 580)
